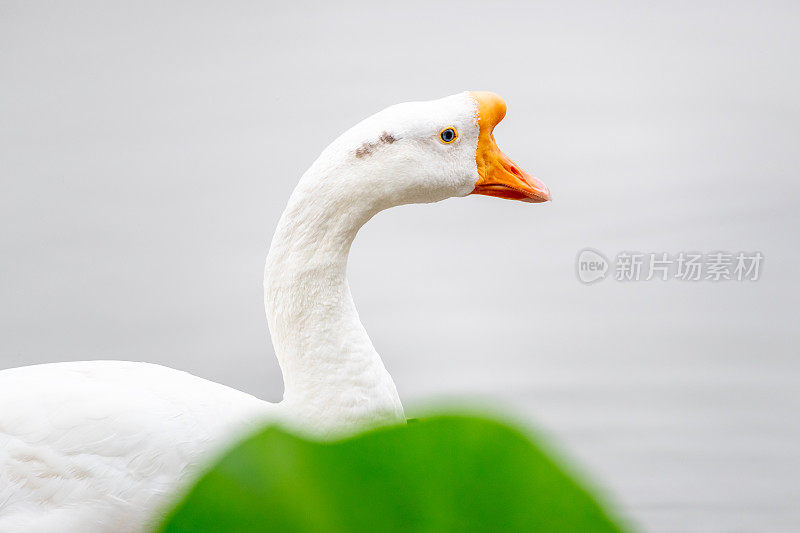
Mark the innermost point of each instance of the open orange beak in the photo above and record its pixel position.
(497, 174)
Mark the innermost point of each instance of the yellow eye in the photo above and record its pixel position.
(448, 135)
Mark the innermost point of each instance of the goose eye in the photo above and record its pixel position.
(448, 135)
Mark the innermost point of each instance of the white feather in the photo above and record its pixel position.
(104, 446)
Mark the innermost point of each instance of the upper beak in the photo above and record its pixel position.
(497, 174)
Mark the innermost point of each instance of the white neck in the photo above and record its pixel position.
(332, 374)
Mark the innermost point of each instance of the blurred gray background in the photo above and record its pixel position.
(146, 153)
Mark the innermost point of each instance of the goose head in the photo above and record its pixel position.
(416, 152)
(420, 152)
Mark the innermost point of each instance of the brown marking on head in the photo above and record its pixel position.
(364, 150)
(369, 147)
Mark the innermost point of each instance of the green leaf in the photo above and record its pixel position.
(448, 473)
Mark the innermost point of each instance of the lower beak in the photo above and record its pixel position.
(504, 179)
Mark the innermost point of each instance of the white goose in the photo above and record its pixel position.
(101, 446)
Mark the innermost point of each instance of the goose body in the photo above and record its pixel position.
(104, 446)
(97, 445)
